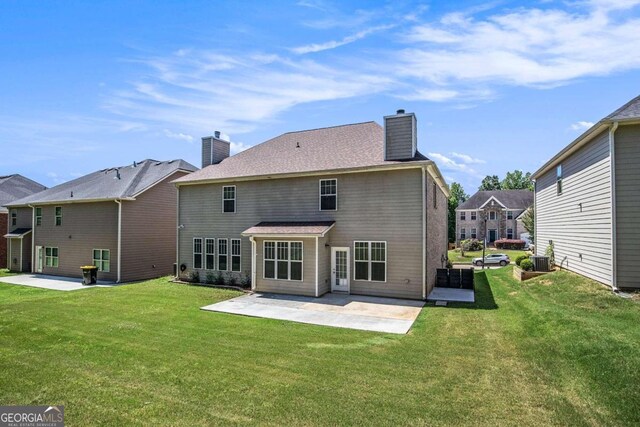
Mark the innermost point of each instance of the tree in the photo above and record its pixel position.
(490, 182)
(528, 222)
(457, 196)
(517, 180)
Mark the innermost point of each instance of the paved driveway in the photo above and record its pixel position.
(343, 311)
(55, 283)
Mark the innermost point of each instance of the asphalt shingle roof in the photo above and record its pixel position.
(109, 184)
(332, 148)
(629, 111)
(300, 228)
(512, 199)
(14, 187)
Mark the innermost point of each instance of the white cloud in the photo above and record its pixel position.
(448, 164)
(581, 125)
(465, 158)
(179, 135)
(318, 47)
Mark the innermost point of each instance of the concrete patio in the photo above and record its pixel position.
(342, 311)
(54, 283)
(451, 295)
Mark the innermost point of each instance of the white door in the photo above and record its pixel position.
(340, 269)
(39, 258)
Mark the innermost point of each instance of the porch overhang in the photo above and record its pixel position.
(18, 233)
(290, 229)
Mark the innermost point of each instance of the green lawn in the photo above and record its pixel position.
(456, 257)
(558, 350)
(4, 272)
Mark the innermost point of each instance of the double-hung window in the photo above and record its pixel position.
(509, 233)
(102, 259)
(58, 219)
(14, 217)
(283, 260)
(51, 257)
(463, 216)
(209, 254)
(463, 233)
(371, 261)
(328, 194)
(197, 252)
(509, 214)
(38, 216)
(235, 255)
(223, 254)
(229, 199)
(474, 234)
(492, 215)
(473, 216)
(559, 179)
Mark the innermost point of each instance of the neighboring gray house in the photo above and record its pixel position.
(353, 208)
(588, 201)
(13, 187)
(119, 219)
(501, 208)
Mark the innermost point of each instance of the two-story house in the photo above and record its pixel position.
(13, 187)
(353, 208)
(120, 219)
(588, 201)
(500, 208)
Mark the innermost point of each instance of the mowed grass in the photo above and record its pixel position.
(456, 257)
(558, 350)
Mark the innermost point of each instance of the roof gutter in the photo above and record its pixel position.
(614, 252)
(67, 202)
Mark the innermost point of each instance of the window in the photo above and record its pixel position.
(51, 257)
(463, 216)
(474, 234)
(209, 254)
(197, 252)
(435, 196)
(223, 254)
(559, 179)
(38, 216)
(371, 261)
(328, 194)
(235, 254)
(102, 259)
(509, 214)
(463, 233)
(509, 233)
(492, 215)
(58, 215)
(473, 216)
(229, 199)
(283, 260)
(14, 217)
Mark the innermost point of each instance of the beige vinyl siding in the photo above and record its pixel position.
(627, 150)
(305, 287)
(437, 232)
(85, 226)
(586, 180)
(149, 232)
(372, 206)
(399, 133)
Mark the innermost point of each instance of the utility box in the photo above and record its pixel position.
(540, 263)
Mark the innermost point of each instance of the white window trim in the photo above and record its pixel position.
(559, 180)
(474, 214)
(235, 197)
(193, 247)
(507, 233)
(463, 216)
(495, 215)
(474, 232)
(14, 217)
(56, 216)
(232, 255)
(509, 212)
(320, 194)
(101, 260)
(463, 234)
(386, 254)
(219, 254)
(38, 217)
(45, 256)
(204, 259)
(275, 260)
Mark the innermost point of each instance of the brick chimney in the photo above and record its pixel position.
(214, 149)
(400, 140)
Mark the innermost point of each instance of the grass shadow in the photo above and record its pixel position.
(483, 295)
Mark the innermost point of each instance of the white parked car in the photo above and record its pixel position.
(496, 259)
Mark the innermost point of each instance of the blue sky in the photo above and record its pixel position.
(495, 85)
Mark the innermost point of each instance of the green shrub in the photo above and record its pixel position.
(449, 263)
(218, 280)
(521, 258)
(246, 282)
(231, 280)
(471, 245)
(209, 278)
(526, 265)
(194, 276)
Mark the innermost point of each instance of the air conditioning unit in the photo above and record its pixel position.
(540, 263)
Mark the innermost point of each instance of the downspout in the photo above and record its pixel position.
(253, 263)
(424, 234)
(119, 202)
(317, 290)
(177, 233)
(614, 251)
(535, 217)
(33, 237)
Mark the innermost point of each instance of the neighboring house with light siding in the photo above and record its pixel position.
(588, 201)
(13, 187)
(354, 209)
(120, 219)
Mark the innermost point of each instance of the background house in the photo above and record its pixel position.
(121, 219)
(501, 208)
(13, 187)
(353, 208)
(588, 201)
